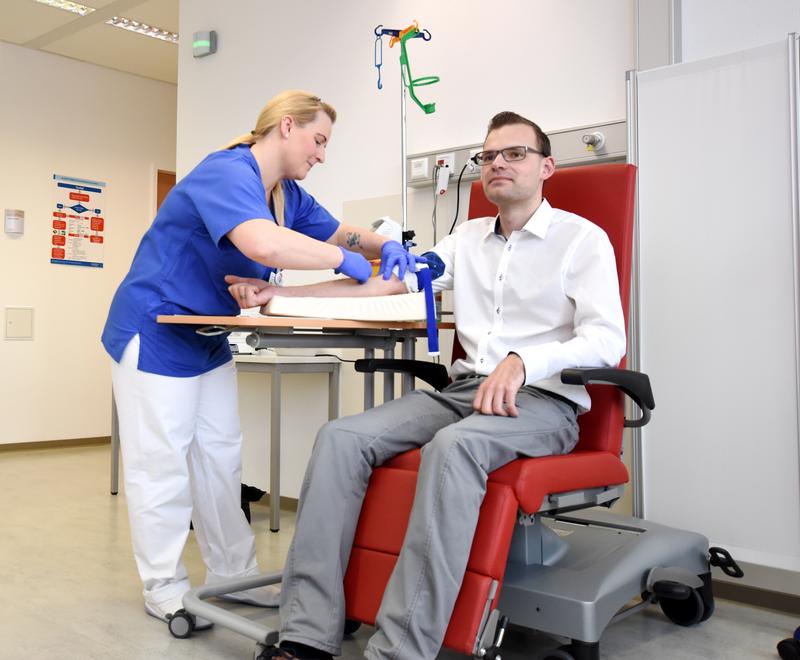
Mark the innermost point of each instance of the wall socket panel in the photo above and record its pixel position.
(19, 323)
(568, 147)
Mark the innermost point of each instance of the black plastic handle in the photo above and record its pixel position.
(634, 383)
(722, 559)
(429, 372)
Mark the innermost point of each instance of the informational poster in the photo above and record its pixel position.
(78, 223)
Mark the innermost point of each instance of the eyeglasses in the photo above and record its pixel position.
(510, 154)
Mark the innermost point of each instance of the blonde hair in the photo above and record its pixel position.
(303, 108)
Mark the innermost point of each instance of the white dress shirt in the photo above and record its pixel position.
(549, 293)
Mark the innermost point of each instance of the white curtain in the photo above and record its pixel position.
(717, 292)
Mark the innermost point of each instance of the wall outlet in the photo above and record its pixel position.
(419, 168)
(472, 167)
(446, 160)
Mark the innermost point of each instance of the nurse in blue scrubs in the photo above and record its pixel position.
(239, 212)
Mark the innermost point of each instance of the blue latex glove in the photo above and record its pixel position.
(354, 265)
(393, 254)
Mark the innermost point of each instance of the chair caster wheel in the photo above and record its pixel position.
(685, 612)
(181, 624)
(351, 626)
(492, 654)
(561, 653)
(789, 649)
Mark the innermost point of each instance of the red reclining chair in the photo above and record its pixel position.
(592, 474)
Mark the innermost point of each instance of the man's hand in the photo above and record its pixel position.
(250, 292)
(497, 395)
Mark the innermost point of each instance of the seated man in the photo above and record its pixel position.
(535, 292)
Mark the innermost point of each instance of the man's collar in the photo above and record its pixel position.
(537, 224)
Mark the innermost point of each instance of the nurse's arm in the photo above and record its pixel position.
(359, 240)
(266, 243)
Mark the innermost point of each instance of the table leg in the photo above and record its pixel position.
(114, 446)
(275, 452)
(407, 383)
(388, 378)
(333, 392)
(369, 382)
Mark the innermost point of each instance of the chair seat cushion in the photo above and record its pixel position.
(532, 479)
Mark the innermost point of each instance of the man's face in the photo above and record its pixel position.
(520, 180)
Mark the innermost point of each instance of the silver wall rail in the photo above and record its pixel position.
(794, 108)
(634, 354)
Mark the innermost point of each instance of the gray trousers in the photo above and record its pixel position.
(460, 448)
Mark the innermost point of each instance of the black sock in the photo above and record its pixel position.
(305, 652)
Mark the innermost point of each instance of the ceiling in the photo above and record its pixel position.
(89, 39)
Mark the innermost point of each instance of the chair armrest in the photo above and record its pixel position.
(429, 372)
(633, 383)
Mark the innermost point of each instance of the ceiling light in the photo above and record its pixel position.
(143, 28)
(73, 7)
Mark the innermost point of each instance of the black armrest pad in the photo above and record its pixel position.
(634, 383)
(429, 372)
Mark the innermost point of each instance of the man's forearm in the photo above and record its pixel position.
(375, 286)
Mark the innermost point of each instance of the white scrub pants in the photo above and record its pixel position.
(181, 452)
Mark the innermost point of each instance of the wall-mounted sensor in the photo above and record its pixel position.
(593, 141)
(204, 43)
(14, 221)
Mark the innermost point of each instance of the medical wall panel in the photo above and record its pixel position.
(717, 297)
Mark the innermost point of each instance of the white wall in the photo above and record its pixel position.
(560, 62)
(718, 27)
(63, 116)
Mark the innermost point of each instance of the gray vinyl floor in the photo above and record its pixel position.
(69, 589)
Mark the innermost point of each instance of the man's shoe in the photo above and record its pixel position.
(276, 653)
(293, 651)
(165, 610)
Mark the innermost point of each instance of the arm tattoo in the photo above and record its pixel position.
(353, 239)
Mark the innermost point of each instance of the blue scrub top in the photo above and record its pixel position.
(183, 258)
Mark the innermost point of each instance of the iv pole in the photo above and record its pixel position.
(406, 83)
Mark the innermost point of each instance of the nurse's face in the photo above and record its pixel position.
(305, 145)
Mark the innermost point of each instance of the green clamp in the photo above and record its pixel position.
(409, 81)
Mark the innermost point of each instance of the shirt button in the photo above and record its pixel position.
(490, 332)
(481, 360)
(497, 310)
(509, 247)
(500, 278)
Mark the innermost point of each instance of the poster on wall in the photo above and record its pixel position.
(78, 223)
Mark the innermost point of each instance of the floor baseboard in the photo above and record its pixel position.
(773, 600)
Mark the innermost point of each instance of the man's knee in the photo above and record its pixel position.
(337, 440)
(452, 444)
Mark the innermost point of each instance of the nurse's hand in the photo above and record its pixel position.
(249, 292)
(354, 265)
(393, 254)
